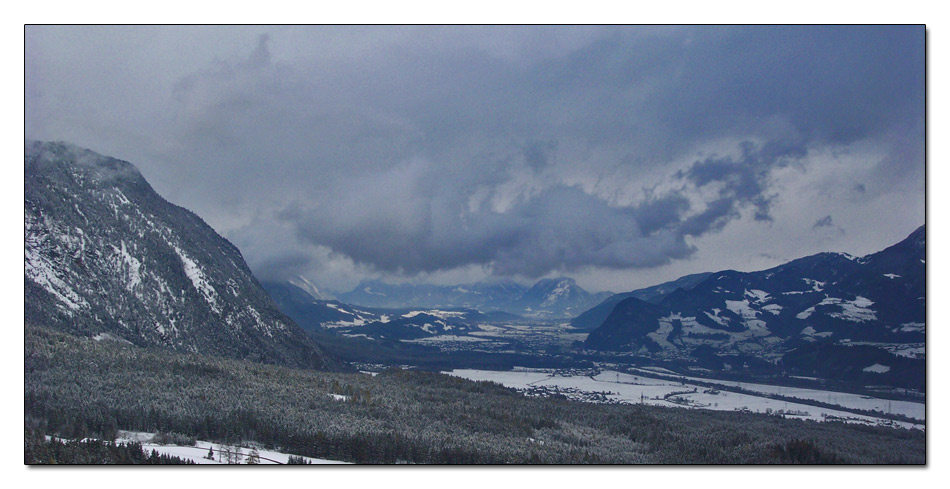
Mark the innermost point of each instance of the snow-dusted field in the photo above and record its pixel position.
(447, 338)
(635, 388)
(199, 452)
(910, 409)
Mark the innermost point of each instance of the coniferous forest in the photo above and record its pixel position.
(38, 450)
(78, 387)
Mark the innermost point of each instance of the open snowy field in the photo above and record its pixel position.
(910, 409)
(612, 386)
(199, 452)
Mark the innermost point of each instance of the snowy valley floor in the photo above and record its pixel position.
(645, 386)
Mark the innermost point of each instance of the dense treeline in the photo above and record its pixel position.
(425, 357)
(296, 460)
(40, 451)
(79, 387)
(840, 362)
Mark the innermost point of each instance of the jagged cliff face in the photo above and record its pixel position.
(107, 257)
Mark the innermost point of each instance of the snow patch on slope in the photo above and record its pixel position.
(806, 313)
(742, 308)
(40, 270)
(857, 310)
(715, 317)
(198, 279)
(912, 327)
(815, 285)
(757, 295)
(435, 312)
(563, 287)
(877, 368)
(131, 264)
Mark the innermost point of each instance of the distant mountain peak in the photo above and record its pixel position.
(551, 297)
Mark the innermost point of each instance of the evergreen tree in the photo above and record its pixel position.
(297, 460)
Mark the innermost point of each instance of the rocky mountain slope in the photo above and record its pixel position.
(107, 257)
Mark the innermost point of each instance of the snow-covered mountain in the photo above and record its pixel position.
(557, 297)
(314, 313)
(548, 298)
(595, 316)
(390, 323)
(487, 294)
(107, 257)
(829, 298)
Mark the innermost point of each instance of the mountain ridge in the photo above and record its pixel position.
(595, 316)
(546, 298)
(824, 299)
(107, 257)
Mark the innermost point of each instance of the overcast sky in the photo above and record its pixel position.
(621, 156)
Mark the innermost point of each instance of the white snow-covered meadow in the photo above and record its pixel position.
(199, 452)
(910, 409)
(641, 387)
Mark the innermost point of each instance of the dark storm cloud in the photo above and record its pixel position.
(666, 89)
(561, 228)
(538, 154)
(718, 213)
(744, 180)
(835, 83)
(523, 150)
(824, 222)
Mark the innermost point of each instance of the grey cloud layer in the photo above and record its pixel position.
(744, 180)
(411, 220)
(414, 150)
(561, 228)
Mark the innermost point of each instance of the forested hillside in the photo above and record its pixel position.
(81, 387)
